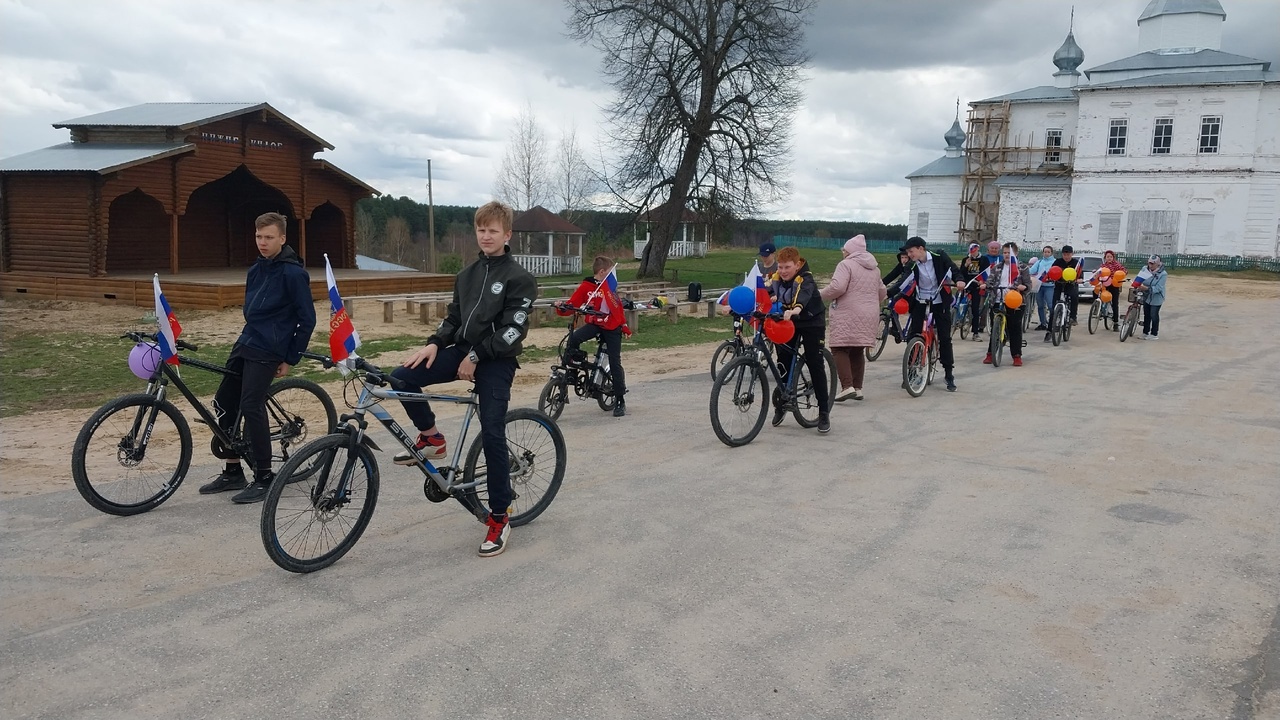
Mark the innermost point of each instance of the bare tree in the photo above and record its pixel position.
(398, 244)
(367, 240)
(573, 181)
(522, 179)
(706, 90)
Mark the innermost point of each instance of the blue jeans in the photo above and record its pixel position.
(493, 387)
(1044, 302)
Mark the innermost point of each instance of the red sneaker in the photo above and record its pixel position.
(432, 447)
(1017, 362)
(987, 360)
(495, 540)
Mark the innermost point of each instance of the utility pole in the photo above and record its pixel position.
(431, 224)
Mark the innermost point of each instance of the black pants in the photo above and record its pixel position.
(245, 395)
(942, 322)
(493, 386)
(1012, 328)
(1073, 296)
(811, 338)
(1115, 307)
(975, 307)
(612, 348)
(1150, 319)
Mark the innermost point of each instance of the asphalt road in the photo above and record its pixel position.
(1094, 535)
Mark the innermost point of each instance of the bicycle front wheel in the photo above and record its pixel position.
(915, 370)
(963, 323)
(298, 410)
(310, 520)
(1059, 319)
(1095, 315)
(1129, 322)
(536, 457)
(882, 334)
(131, 455)
(739, 401)
(554, 396)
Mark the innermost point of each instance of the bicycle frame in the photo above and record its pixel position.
(763, 355)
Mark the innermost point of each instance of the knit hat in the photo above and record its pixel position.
(914, 242)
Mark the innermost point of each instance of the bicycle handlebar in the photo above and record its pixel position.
(583, 310)
(151, 337)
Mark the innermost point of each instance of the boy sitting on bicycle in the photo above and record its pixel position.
(795, 290)
(279, 316)
(479, 341)
(932, 283)
(1008, 275)
(595, 293)
(1065, 287)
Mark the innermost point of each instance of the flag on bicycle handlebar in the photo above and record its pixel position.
(167, 338)
(343, 338)
(754, 280)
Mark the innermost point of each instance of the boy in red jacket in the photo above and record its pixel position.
(595, 293)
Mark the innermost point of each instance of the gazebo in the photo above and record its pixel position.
(687, 243)
(537, 228)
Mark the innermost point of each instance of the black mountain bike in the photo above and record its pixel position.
(736, 345)
(134, 452)
(890, 326)
(589, 379)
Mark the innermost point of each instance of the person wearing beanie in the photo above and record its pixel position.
(1155, 286)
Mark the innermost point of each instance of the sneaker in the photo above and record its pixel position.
(951, 383)
(620, 409)
(1146, 336)
(824, 423)
(857, 394)
(987, 359)
(431, 448)
(1115, 328)
(1074, 321)
(495, 539)
(254, 493)
(779, 414)
(1048, 337)
(976, 336)
(1042, 326)
(846, 394)
(1153, 337)
(226, 481)
(1017, 362)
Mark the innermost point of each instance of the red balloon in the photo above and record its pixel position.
(901, 307)
(1055, 273)
(779, 332)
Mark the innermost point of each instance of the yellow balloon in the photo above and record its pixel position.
(1069, 274)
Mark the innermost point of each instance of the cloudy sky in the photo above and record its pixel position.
(392, 83)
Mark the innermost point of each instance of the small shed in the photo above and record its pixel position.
(537, 229)
(686, 244)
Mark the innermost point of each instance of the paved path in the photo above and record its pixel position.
(975, 555)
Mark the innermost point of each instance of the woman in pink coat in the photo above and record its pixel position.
(856, 293)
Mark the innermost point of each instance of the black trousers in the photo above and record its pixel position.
(245, 395)
(493, 386)
(975, 307)
(811, 338)
(612, 348)
(1013, 328)
(942, 322)
(1073, 296)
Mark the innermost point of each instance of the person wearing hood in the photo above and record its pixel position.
(793, 288)
(893, 280)
(279, 316)
(1155, 298)
(855, 292)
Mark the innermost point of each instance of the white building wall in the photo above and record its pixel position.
(1028, 122)
(1184, 30)
(940, 197)
(1033, 218)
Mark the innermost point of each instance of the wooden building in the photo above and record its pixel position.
(538, 228)
(171, 188)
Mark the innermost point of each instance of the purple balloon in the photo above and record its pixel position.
(144, 360)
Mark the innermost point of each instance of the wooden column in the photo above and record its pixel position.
(302, 239)
(173, 242)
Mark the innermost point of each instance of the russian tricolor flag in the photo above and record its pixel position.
(343, 338)
(167, 338)
(755, 281)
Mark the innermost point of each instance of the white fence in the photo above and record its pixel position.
(544, 265)
(678, 249)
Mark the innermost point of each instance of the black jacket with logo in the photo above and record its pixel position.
(492, 299)
(801, 292)
(279, 314)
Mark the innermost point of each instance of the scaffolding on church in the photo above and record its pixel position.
(990, 154)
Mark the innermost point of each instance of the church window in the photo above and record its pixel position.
(1118, 137)
(1210, 127)
(1053, 141)
(1162, 138)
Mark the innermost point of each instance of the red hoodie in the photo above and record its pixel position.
(591, 294)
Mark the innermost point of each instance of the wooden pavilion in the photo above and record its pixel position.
(538, 225)
(686, 243)
(174, 188)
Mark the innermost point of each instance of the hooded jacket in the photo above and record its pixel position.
(855, 292)
(801, 292)
(279, 314)
(492, 299)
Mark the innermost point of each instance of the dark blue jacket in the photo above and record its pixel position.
(279, 314)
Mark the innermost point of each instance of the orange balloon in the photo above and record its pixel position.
(1118, 276)
(1013, 299)
(1094, 281)
(1104, 272)
(1105, 296)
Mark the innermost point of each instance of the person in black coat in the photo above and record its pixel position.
(795, 290)
(933, 277)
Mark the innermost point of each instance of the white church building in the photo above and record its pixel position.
(1174, 150)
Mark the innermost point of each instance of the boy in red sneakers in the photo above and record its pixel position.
(595, 293)
(478, 341)
(1007, 274)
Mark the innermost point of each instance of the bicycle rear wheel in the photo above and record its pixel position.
(536, 457)
(915, 371)
(554, 396)
(874, 350)
(806, 408)
(313, 519)
(739, 401)
(1028, 308)
(1095, 315)
(604, 394)
(963, 322)
(131, 455)
(725, 352)
(297, 410)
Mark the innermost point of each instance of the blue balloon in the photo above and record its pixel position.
(742, 300)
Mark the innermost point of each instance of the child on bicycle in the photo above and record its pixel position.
(795, 290)
(478, 341)
(1004, 276)
(595, 293)
(279, 316)
(932, 276)
(970, 268)
(1110, 263)
(893, 279)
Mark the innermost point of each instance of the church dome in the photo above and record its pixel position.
(1069, 57)
(955, 137)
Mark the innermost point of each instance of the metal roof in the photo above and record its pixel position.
(942, 167)
(90, 157)
(1034, 181)
(1167, 61)
(1181, 7)
(1220, 77)
(181, 115)
(1042, 93)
